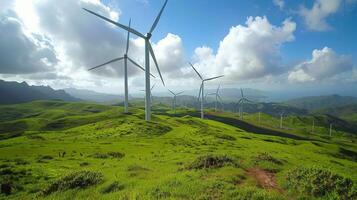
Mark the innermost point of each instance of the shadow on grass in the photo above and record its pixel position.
(239, 124)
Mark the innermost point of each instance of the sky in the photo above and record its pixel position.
(297, 46)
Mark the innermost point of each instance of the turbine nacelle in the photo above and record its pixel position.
(148, 36)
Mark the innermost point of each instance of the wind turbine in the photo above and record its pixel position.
(241, 102)
(125, 58)
(201, 92)
(152, 87)
(148, 51)
(174, 99)
(281, 119)
(217, 96)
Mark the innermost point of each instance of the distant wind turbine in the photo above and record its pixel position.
(151, 97)
(201, 92)
(148, 51)
(281, 119)
(125, 58)
(217, 96)
(241, 102)
(174, 99)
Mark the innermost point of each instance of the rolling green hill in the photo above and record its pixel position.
(61, 150)
(347, 112)
(321, 102)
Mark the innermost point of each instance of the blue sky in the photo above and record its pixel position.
(263, 44)
(206, 22)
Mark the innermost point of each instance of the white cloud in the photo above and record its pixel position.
(315, 17)
(279, 3)
(325, 64)
(248, 52)
(23, 52)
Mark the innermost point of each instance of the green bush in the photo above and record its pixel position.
(113, 187)
(112, 154)
(267, 157)
(319, 183)
(80, 179)
(211, 161)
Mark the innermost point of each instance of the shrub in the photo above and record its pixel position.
(267, 157)
(6, 188)
(319, 182)
(116, 154)
(82, 164)
(225, 137)
(211, 161)
(112, 154)
(80, 179)
(113, 187)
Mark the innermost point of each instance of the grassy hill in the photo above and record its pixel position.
(347, 112)
(60, 150)
(321, 102)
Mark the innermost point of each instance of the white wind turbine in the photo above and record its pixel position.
(152, 87)
(125, 58)
(201, 92)
(148, 51)
(217, 96)
(281, 119)
(241, 102)
(174, 99)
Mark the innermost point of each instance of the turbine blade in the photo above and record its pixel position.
(127, 39)
(117, 24)
(111, 61)
(155, 61)
(152, 87)
(179, 93)
(219, 97)
(171, 92)
(241, 92)
(208, 79)
(157, 18)
(248, 100)
(137, 65)
(196, 71)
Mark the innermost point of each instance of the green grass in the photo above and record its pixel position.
(88, 151)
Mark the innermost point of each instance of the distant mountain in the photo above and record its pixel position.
(347, 112)
(227, 94)
(15, 92)
(93, 96)
(321, 102)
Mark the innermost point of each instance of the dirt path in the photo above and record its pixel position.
(264, 179)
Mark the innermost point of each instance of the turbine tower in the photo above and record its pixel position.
(174, 99)
(201, 92)
(148, 51)
(241, 102)
(125, 58)
(281, 119)
(217, 96)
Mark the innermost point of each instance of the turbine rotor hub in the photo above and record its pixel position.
(148, 36)
(125, 56)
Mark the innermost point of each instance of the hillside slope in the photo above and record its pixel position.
(321, 102)
(89, 151)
